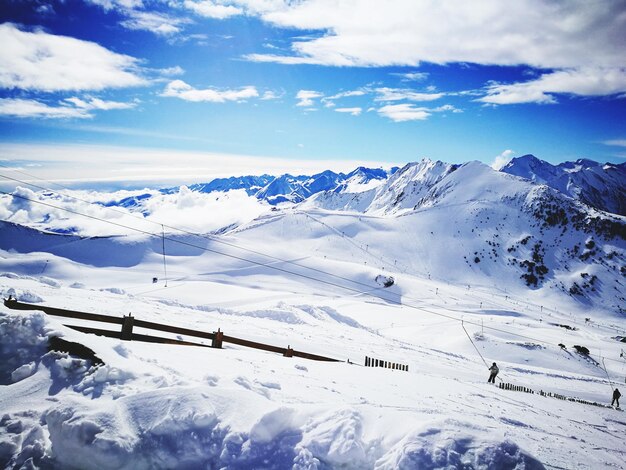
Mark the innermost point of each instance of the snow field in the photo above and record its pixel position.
(164, 406)
(157, 406)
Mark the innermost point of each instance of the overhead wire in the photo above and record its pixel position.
(215, 239)
(204, 236)
(164, 263)
(286, 271)
(208, 236)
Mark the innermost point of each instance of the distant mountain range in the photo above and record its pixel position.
(602, 186)
(280, 189)
(529, 224)
(294, 189)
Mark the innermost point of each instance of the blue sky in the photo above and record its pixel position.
(119, 85)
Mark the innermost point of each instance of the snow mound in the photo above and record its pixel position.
(24, 341)
(22, 295)
(434, 448)
(114, 290)
(10, 275)
(172, 428)
(49, 282)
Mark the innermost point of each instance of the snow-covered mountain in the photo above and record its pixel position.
(602, 186)
(486, 266)
(470, 220)
(289, 188)
(251, 184)
(402, 191)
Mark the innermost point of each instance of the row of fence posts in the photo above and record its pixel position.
(517, 388)
(372, 362)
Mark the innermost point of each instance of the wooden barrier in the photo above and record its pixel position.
(129, 322)
(372, 362)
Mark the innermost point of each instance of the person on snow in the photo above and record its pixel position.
(494, 371)
(616, 396)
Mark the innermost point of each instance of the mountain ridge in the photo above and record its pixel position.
(602, 186)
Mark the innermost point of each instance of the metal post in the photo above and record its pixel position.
(127, 327)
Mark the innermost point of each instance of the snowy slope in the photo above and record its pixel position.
(402, 191)
(602, 186)
(474, 222)
(155, 406)
(305, 276)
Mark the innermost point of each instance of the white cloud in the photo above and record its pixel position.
(171, 71)
(615, 142)
(271, 95)
(20, 108)
(502, 159)
(412, 76)
(409, 112)
(97, 103)
(540, 33)
(180, 89)
(352, 111)
(446, 107)
(346, 94)
(329, 101)
(396, 94)
(306, 97)
(581, 42)
(212, 9)
(136, 16)
(184, 209)
(585, 81)
(404, 112)
(69, 108)
(47, 62)
(286, 60)
(157, 23)
(45, 10)
(187, 209)
(116, 4)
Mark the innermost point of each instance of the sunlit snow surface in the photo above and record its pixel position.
(165, 406)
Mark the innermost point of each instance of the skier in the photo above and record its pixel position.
(494, 371)
(616, 396)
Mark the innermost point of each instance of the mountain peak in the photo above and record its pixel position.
(600, 186)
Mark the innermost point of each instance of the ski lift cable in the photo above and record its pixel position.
(607, 374)
(276, 268)
(164, 263)
(377, 257)
(204, 236)
(211, 250)
(227, 254)
(369, 286)
(471, 341)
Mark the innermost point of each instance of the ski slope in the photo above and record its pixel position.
(486, 267)
(303, 278)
